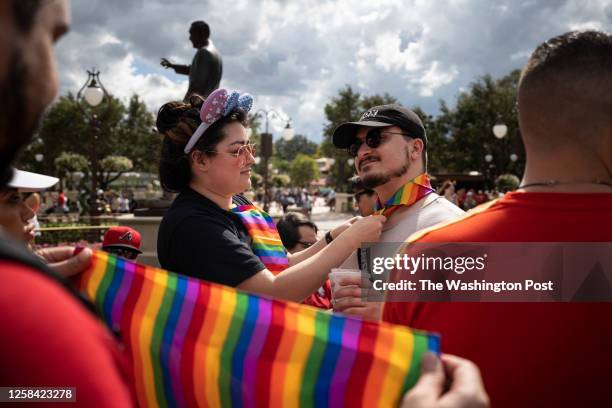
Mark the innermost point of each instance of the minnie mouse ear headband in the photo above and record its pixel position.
(218, 104)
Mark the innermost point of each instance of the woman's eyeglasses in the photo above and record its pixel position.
(373, 139)
(242, 153)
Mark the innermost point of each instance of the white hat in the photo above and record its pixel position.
(26, 181)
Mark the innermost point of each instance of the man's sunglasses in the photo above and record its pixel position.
(373, 139)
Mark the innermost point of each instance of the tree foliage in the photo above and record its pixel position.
(109, 129)
(289, 149)
(113, 167)
(68, 162)
(304, 170)
(468, 127)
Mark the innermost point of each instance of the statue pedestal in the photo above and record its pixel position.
(148, 228)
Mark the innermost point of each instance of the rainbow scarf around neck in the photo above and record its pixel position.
(267, 244)
(407, 195)
(194, 343)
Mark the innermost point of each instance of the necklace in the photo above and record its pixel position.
(552, 183)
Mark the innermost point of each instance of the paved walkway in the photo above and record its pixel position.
(321, 215)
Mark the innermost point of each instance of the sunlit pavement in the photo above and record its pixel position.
(320, 215)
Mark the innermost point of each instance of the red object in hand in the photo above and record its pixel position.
(77, 250)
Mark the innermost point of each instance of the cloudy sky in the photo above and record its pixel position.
(294, 56)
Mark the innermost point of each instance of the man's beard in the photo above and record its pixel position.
(374, 180)
(15, 130)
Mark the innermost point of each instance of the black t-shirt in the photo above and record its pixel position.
(197, 238)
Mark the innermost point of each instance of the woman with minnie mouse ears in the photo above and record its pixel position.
(214, 233)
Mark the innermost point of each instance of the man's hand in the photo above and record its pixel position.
(348, 299)
(60, 259)
(166, 64)
(465, 387)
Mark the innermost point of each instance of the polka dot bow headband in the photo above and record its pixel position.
(218, 104)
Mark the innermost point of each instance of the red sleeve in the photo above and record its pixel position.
(49, 339)
(320, 300)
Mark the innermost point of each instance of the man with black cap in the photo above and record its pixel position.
(389, 146)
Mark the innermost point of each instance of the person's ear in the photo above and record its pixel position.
(416, 150)
(200, 160)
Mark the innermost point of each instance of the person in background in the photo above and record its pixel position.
(19, 189)
(124, 203)
(33, 201)
(297, 232)
(470, 200)
(448, 191)
(122, 241)
(365, 198)
(481, 197)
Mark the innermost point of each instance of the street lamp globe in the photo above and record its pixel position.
(288, 132)
(350, 161)
(500, 130)
(488, 158)
(513, 157)
(93, 94)
(39, 157)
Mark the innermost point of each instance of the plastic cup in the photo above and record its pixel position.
(337, 274)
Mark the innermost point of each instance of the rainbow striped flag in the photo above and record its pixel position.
(193, 343)
(267, 244)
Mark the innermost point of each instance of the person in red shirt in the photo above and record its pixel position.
(542, 354)
(50, 335)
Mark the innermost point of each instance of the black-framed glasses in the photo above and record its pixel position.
(373, 139)
(306, 244)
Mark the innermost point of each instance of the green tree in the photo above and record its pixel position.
(289, 149)
(68, 163)
(280, 180)
(141, 142)
(109, 129)
(113, 167)
(304, 169)
(468, 127)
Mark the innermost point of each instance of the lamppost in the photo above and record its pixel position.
(93, 92)
(267, 147)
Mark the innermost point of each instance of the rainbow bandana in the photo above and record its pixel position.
(267, 244)
(194, 343)
(407, 195)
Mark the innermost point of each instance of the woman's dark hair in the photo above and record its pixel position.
(288, 228)
(177, 121)
(447, 184)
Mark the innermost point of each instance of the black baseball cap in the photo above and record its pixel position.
(381, 116)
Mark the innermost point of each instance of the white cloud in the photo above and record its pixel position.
(295, 55)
